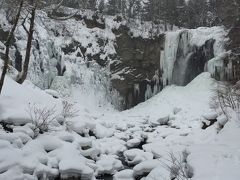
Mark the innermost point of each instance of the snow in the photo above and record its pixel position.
(145, 167)
(108, 164)
(135, 156)
(202, 34)
(73, 153)
(221, 155)
(124, 175)
(168, 56)
(100, 140)
(18, 105)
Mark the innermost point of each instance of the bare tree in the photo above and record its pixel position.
(23, 74)
(7, 44)
(228, 97)
(68, 110)
(33, 8)
(178, 166)
(41, 118)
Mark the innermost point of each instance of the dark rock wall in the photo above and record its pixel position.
(137, 65)
(135, 69)
(197, 60)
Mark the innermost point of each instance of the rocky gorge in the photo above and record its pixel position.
(139, 66)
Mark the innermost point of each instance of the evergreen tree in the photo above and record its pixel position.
(123, 8)
(137, 9)
(113, 7)
(92, 4)
(101, 6)
(149, 10)
(171, 14)
(182, 13)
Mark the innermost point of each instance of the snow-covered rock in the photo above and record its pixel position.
(145, 167)
(108, 164)
(126, 174)
(136, 156)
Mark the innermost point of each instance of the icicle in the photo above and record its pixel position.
(168, 57)
(148, 93)
(136, 90)
(156, 81)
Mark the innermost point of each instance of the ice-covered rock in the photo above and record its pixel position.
(26, 129)
(108, 164)
(126, 174)
(110, 145)
(133, 142)
(210, 115)
(163, 120)
(159, 173)
(145, 167)
(101, 132)
(176, 110)
(53, 93)
(76, 169)
(222, 120)
(136, 156)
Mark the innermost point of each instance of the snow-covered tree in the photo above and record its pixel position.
(112, 7)
(101, 6)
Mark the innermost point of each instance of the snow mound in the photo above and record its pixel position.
(97, 143)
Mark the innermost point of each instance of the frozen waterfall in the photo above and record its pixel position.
(168, 56)
(187, 53)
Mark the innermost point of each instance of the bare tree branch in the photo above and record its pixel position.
(9, 38)
(23, 24)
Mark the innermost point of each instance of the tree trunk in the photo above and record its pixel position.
(9, 38)
(23, 75)
(165, 25)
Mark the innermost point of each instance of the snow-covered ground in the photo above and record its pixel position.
(131, 144)
(84, 136)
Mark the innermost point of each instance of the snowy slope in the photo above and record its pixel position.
(92, 143)
(99, 140)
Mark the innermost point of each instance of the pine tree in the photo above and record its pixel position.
(92, 4)
(112, 7)
(197, 12)
(137, 9)
(101, 6)
(123, 8)
(149, 11)
(171, 12)
(181, 10)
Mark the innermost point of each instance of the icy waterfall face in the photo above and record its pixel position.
(187, 52)
(183, 54)
(168, 57)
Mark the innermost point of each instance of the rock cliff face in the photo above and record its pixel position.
(136, 67)
(135, 72)
(144, 66)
